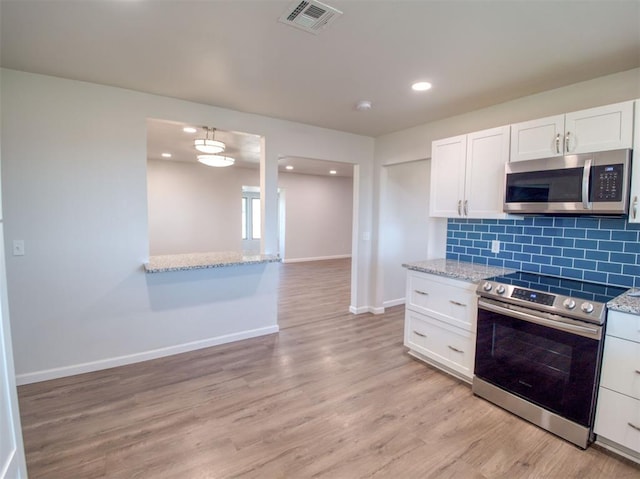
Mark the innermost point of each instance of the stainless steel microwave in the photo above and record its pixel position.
(589, 183)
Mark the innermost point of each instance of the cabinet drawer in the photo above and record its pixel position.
(623, 325)
(621, 366)
(447, 345)
(451, 301)
(618, 419)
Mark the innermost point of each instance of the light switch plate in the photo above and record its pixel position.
(495, 246)
(18, 247)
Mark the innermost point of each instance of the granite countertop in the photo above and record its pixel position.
(188, 261)
(626, 303)
(471, 272)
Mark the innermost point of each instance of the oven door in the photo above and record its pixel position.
(547, 186)
(547, 360)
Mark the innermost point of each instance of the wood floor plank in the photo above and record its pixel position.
(333, 395)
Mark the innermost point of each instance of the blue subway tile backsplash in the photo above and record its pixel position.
(602, 250)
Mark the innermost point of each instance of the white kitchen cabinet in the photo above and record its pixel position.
(440, 322)
(608, 127)
(467, 175)
(634, 202)
(618, 410)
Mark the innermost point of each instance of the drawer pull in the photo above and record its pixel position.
(637, 372)
(637, 428)
(419, 334)
(457, 303)
(455, 349)
(423, 293)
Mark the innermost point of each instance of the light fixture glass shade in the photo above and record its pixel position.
(206, 145)
(216, 160)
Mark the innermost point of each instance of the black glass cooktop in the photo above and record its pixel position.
(563, 286)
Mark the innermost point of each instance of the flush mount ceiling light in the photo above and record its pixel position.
(209, 145)
(189, 129)
(363, 105)
(421, 86)
(216, 160)
(289, 167)
(166, 155)
(333, 172)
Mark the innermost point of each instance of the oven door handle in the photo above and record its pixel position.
(586, 177)
(595, 333)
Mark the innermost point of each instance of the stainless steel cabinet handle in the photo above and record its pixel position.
(637, 428)
(634, 207)
(566, 142)
(466, 207)
(459, 207)
(558, 143)
(637, 372)
(455, 349)
(457, 304)
(424, 293)
(419, 334)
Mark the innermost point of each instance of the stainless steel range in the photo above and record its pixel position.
(539, 349)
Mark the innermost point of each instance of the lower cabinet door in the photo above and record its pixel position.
(443, 344)
(618, 419)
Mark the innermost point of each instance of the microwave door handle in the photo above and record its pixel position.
(586, 175)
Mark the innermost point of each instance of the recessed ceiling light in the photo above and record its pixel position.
(333, 172)
(421, 86)
(189, 129)
(289, 167)
(166, 155)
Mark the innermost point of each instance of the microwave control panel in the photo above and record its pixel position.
(606, 182)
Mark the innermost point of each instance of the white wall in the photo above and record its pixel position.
(79, 297)
(194, 208)
(415, 143)
(405, 226)
(318, 216)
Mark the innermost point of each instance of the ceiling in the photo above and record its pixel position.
(235, 54)
(165, 136)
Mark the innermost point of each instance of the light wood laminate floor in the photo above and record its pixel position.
(332, 395)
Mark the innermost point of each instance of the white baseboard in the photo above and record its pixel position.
(393, 302)
(317, 258)
(374, 309)
(56, 373)
(365, 309)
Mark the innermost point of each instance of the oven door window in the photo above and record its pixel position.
(554, 369)
(549, 186)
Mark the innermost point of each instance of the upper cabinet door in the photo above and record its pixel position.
(537, 138)
(634, 202)
(447, 177)
(603, 128)
(487, 155)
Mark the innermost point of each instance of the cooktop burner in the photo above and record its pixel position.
(567, 297)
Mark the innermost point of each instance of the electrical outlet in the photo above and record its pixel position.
(18, 247)
(495, 246)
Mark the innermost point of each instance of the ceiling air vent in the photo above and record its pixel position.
(309, 15)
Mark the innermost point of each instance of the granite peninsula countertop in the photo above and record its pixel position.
(462, 270)
(626, 303)
(188, 261)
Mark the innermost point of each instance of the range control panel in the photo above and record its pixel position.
(584, 310)
(533, 296)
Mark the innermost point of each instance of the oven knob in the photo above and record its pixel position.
(569, 303)
(487, 286)
(587, 307)
(500, 289)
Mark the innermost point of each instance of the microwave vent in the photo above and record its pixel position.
(309, 15)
